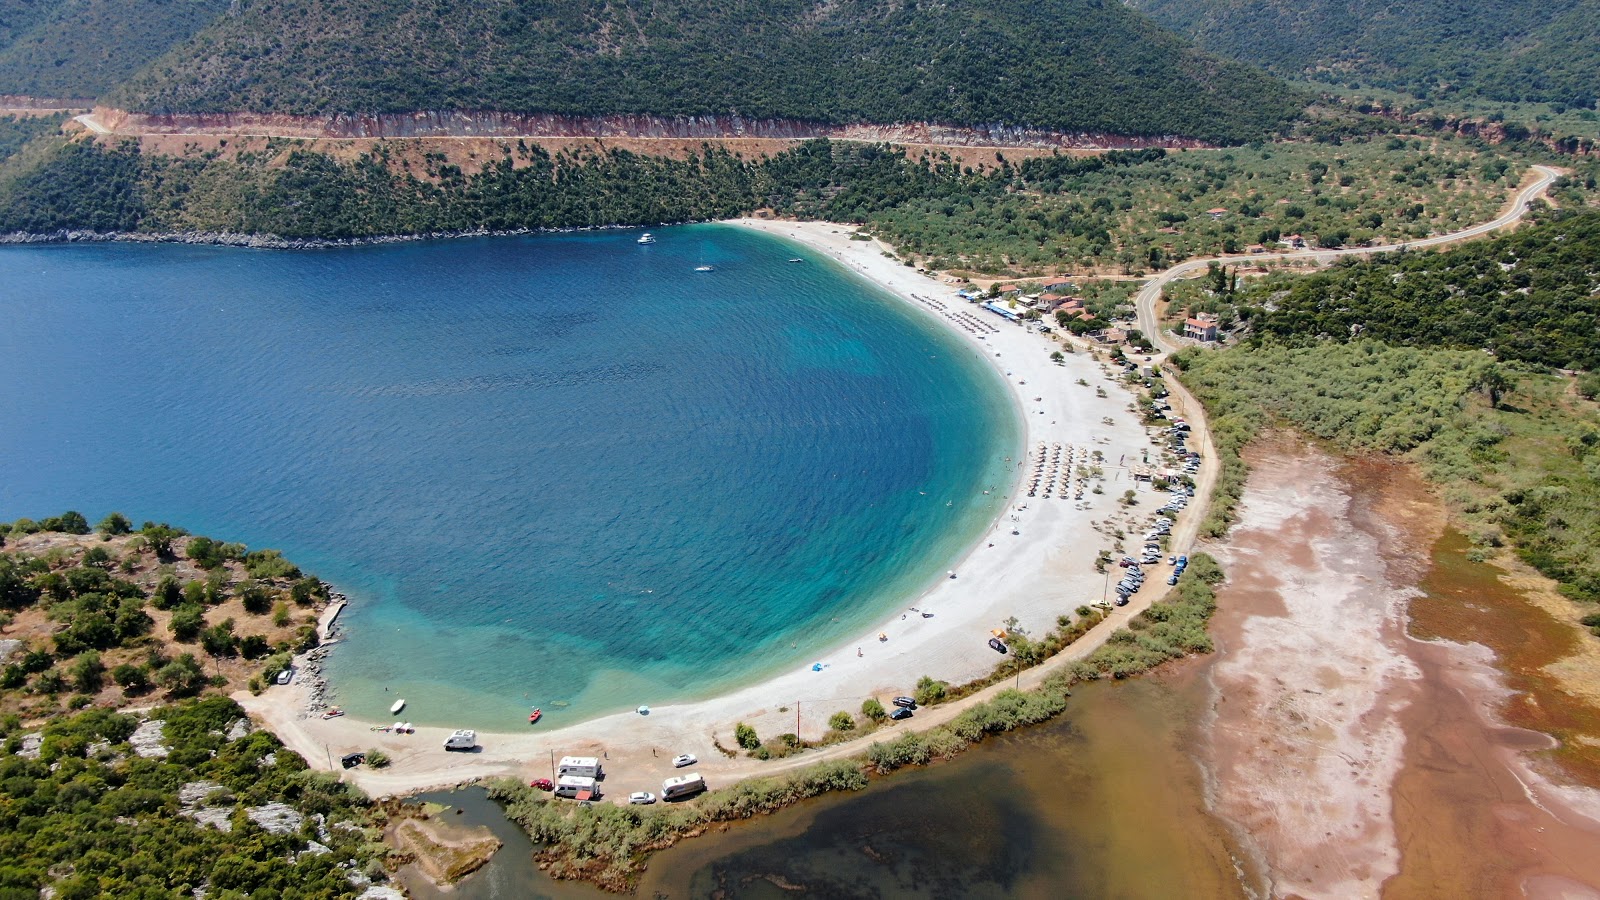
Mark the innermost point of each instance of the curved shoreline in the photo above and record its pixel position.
(1043, 570)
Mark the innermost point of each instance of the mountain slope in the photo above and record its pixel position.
(84, 48)
(1506, 50)
(1066, 65)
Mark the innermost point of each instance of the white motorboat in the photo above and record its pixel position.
(646, 238)
(398, 705)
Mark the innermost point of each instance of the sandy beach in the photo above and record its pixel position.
(1036, 562)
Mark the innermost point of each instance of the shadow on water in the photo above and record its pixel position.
(1100, 803)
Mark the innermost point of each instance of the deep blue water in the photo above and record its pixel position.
(562, 470)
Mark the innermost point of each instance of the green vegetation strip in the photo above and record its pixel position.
(1127, 211)
(1514, 449)
(609, 844)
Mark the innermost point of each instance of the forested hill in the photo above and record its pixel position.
(84, 48)
(1532, 296)
(1065, 65)
(1504, 50)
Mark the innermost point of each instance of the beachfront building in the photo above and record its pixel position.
(999, 308)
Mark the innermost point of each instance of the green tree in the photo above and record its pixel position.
(219, 639)
(114, 524)
(160, 538)
(131, 678)
(166, 594)
(929, 691)
(745, 736)
(182, 676)
(1494, 382)
(187, 620)
(88, 673)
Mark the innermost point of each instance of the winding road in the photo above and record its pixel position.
(1147, 298)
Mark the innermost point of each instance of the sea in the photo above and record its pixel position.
(566, 471)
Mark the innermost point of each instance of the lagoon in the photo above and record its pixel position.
(565, 470)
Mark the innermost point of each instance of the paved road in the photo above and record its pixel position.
(1146, 300)
(88, 121)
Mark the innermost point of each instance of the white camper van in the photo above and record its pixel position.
(585, 766)
(682, 786)
(577, 787)
(462, 739)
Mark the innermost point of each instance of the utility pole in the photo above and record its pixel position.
(552, 765)
(797, 718)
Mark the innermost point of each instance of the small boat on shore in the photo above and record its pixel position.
(332, 712)
(535, 715)
(398, 705)
(646, 238)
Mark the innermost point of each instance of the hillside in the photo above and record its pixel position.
(1504, 50)
(1531, 296)
(84, 48)
(1064, 65)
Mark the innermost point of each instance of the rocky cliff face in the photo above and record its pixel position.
(510, 125)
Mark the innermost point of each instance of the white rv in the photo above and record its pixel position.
(577, 787)
(682, 786)
(585, 766)
(463, 739)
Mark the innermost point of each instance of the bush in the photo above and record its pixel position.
(377, 759)
(874, 710)
(181, 677)
(114, 524)
(88, 673)
(842, 721)
(929, 691)
(746, 737)
(187, 620)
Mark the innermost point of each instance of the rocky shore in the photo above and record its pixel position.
(309, 674)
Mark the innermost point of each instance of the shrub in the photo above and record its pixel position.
(114, 524)
(187, 620)
(929, 691)
(377, 759)
(874, 710)
(842, 721)
(745, 736)
(88, 673)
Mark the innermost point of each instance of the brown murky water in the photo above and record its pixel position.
(1337, 570)
(1477, 806)
(1102, 803)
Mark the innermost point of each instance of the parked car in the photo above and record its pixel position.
(900, 713)
(905, 702)
(351, 760)
(543, 784)
(1183, 560)
(998, 645)
(1122, 600)
(641, 798)
(684, 759)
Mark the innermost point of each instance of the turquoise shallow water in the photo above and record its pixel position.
(563, 470)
